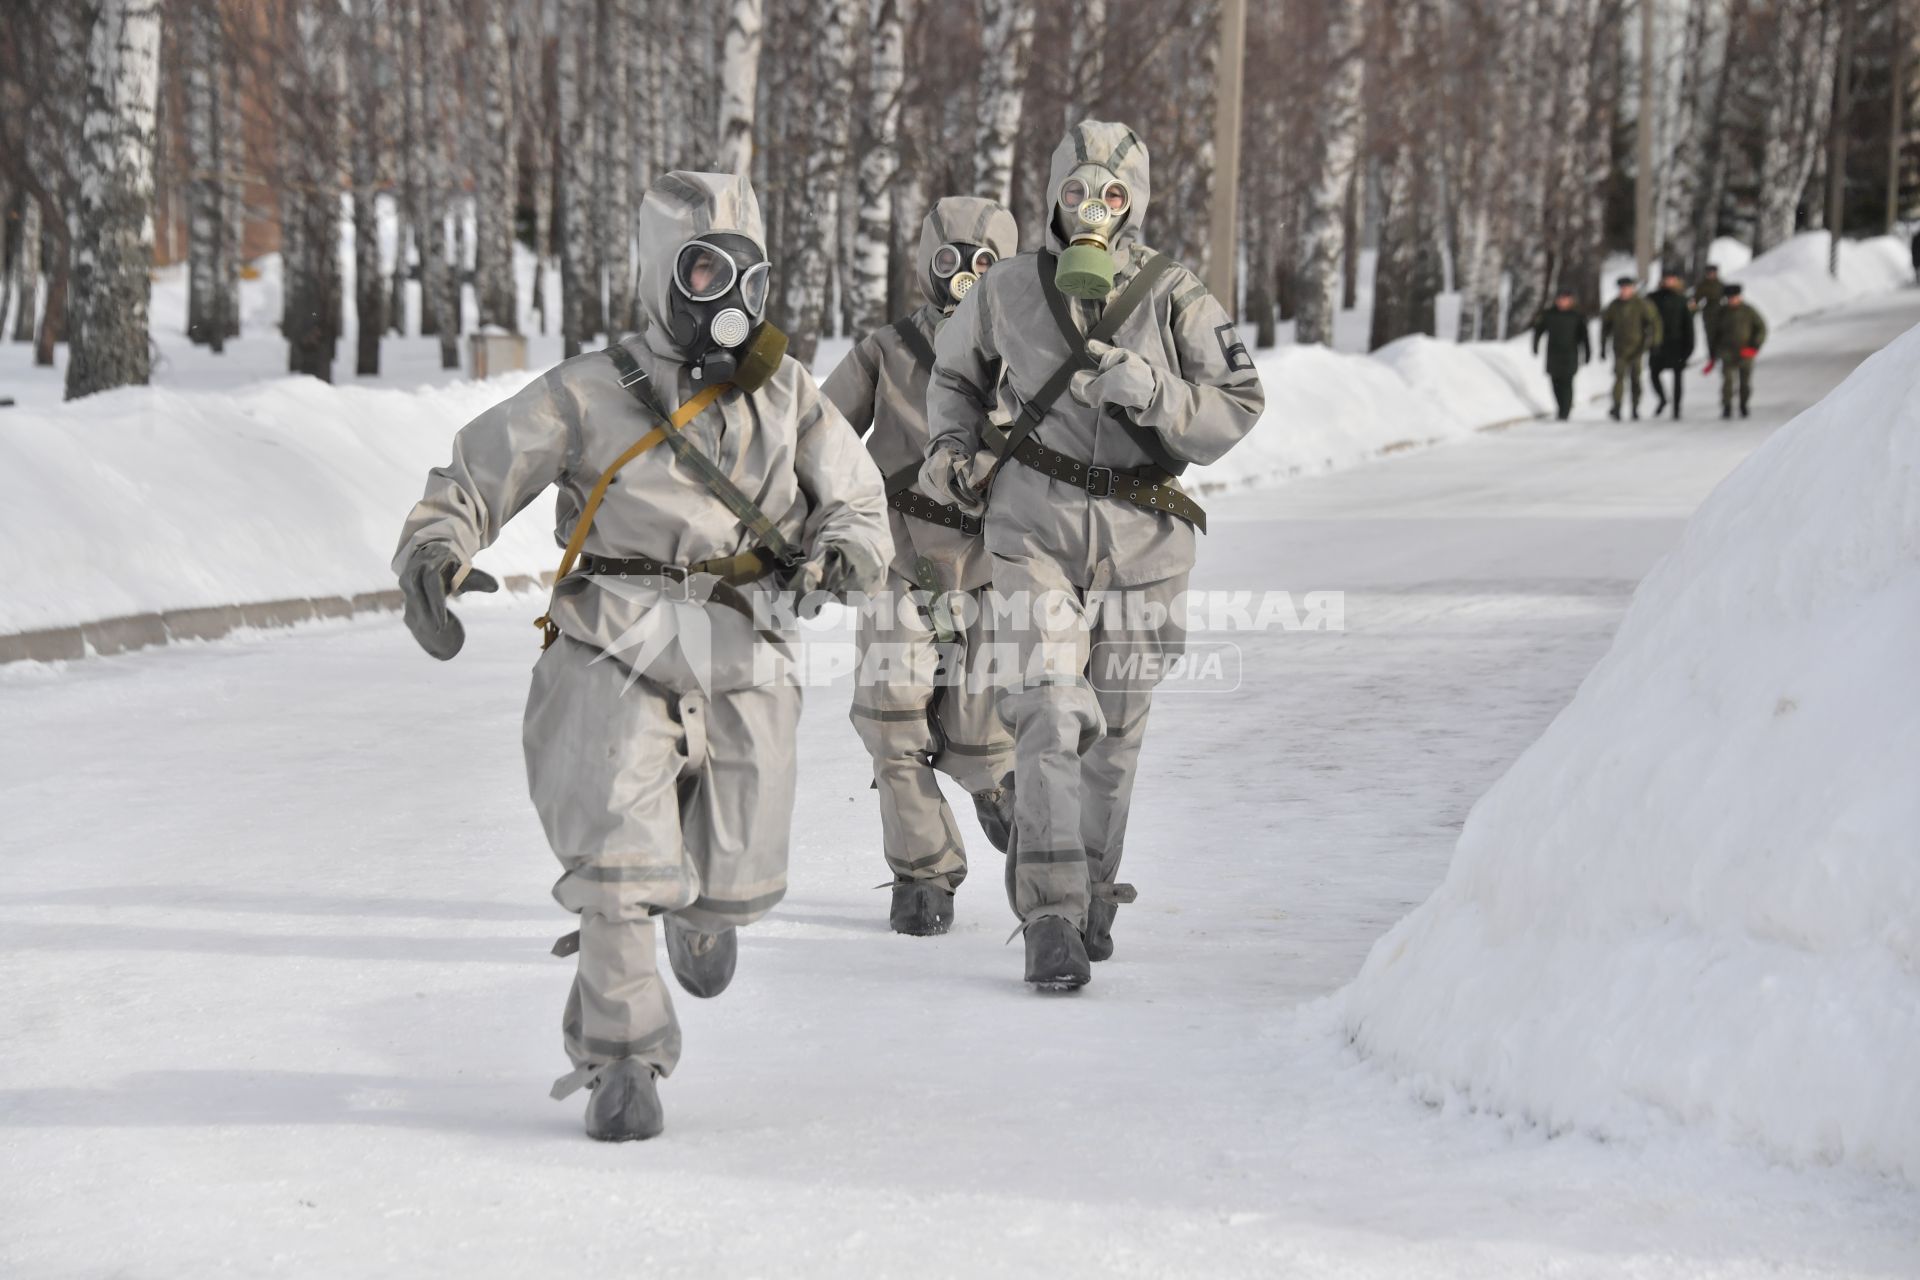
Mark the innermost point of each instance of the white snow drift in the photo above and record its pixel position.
(1698, 895)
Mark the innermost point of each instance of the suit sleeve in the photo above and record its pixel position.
(501, 462)
(966, 374)
(852, 386)
(1586, 344)
(1212, 401)
(847, 503)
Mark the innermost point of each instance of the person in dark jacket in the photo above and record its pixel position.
(1676, 339)
(1631, 327)
(1568, 347)
(1709, 299)
(1743, 331)
(1916, 255)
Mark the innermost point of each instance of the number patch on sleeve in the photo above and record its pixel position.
(1232, 349)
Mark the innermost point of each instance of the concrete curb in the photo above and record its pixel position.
(146, 630)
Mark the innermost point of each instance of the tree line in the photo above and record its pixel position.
(1482, 148)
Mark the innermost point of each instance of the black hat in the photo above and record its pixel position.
(1732, 291)
(1713, 268)
(1564, 291)
(1626, 280)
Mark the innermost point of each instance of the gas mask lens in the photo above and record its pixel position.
(1073, 194)
(1116, 197)
(948, 257)
(946, 261)
(754, 282)
(704, 272)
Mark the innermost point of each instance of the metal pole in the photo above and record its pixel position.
(1226, 154)
(1643, 175)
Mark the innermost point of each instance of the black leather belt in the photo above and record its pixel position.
(1147, 488)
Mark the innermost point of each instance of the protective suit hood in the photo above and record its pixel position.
(679, 207)
(964, 220)
(1108, 146)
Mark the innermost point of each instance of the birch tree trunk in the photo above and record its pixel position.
(311, 80)
(206, 205)
(1804, 46)
(614, 190)
(26, 271)
(830, 28)
(1006, 38)
(369, 287)
(495, 177)
(112, 221)
(572, 215)
(1086, 59)
(739, 81)
(879, 163)
(441, 273)
(1338, 143)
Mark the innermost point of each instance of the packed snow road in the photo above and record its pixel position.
(273, 931)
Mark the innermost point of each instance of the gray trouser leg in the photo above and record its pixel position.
(1131, 641)
(899, 662)
(1073, 786)
(653, 801)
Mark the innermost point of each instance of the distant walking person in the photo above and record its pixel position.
(1710, 300)
(1676, 339)
(1631, 327)
(1743, 331)
(1916, 256)
(1568, 347)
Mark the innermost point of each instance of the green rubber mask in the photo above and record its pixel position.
(1092, 207)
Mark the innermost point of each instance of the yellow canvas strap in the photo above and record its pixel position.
(681, 417)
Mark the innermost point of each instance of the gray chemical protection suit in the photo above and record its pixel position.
(1078, 715)
(660, 750)
(883, 384)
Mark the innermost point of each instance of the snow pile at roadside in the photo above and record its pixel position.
(1327, 410)
(1697, 896)
(143, 499)
(1791, 280)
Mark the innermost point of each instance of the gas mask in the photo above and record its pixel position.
(1092, 206)
(957, 268)
(715, 311)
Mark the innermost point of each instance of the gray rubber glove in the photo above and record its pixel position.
(1125, 378)
(425, 583)
(836, 569)
(951, 476)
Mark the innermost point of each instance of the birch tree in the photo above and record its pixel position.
(830, 117)
(26, 269)
(364, 121)
(1803, 51)
(1337, 146)
(879, 162)
(739, 81)
(495, 184)
(112, 219)
(310, 73)
(1006, 42)
(572, 211)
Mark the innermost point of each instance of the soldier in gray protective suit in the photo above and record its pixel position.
(1126, 369)
(659, 730)
(914, 706)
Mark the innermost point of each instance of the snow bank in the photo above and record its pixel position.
(1697, 896)
(1791, 280)
(1327, 410)
(145, 499)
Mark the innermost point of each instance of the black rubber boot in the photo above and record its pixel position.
(1056, 955)
(995, 810)
(920, 909)
(1614, 413)
(625, 1103)
(702, 961)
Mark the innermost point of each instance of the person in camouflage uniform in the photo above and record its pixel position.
(1631, 326)
(1709, 300)
(1743, 331)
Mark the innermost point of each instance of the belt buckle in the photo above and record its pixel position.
(673, 586)
(970, 524)
(1106, 491)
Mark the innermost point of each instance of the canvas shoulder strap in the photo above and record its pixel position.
(1077, 361)
(914, 341)
(764, 531)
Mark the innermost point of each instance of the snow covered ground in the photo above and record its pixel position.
(273, 928)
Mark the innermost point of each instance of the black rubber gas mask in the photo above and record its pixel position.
(716, 308)
(957, 267)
